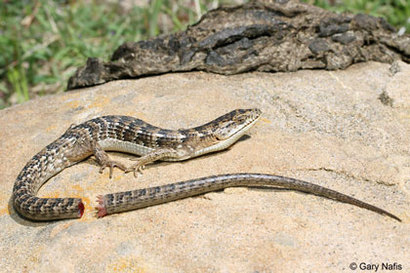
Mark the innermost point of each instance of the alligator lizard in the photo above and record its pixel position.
(131, 135)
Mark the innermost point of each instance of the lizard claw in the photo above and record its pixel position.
(111, 165)
(136, 168)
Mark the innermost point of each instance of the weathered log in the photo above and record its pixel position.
(259, 36)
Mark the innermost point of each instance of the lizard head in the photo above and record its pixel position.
(226, 130)
(235, 124)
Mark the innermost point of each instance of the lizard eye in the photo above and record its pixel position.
(240, 118)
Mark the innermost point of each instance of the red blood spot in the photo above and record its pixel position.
(80, 209)
(102, 211)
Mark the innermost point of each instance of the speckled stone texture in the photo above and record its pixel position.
(347, 130)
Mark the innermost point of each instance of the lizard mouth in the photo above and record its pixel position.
(243, 130)
(236, 135)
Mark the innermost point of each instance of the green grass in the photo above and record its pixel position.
(396, 12)
(43, 42)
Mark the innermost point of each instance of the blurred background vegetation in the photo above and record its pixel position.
(42, 42)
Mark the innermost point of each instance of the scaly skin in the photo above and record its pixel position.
(141, 198)
(131, 135)
(123, 134)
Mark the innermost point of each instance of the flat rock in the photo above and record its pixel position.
(348, 130)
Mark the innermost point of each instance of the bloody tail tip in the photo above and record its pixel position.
(80, 209)
(101, 210)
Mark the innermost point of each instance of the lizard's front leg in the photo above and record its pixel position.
(104, 160)
(149, 158)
